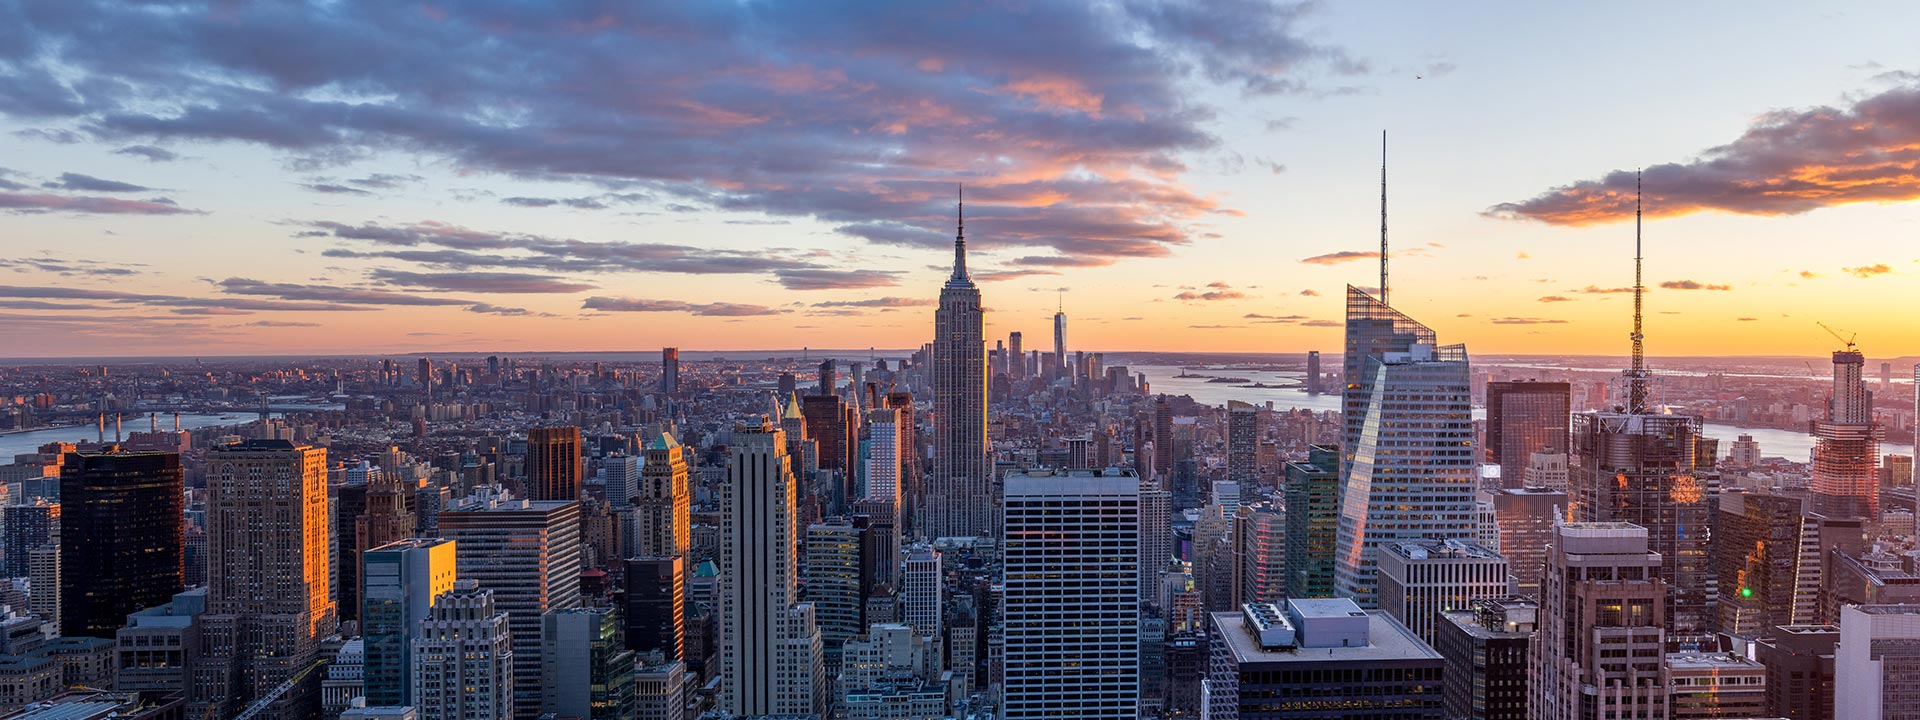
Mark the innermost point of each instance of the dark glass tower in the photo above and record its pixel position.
(122, 531)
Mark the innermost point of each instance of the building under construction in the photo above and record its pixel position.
(1846, 449)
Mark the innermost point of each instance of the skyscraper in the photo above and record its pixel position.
(426, 380)
(1072, 620)
(402, 580)
(268, 599)
(911, 472)
(385, 514)
(1260, 547)
(1524, 518)
(662, 524)
(1156, 537)
(1756, 554)
(1060, 342)
(923, 591)
(1313, 519)
(121, 534)
(883, 462)
(836, 585)
(1313, 372)
(1409, 470)
(1243, 446)
(656, 614)
(463, 661)
(553, 463)
(829, 378)
(1318, 658)
(1523, 418)
(586, 670)
(770, 644)
(1485, 645)
(1601, 637)
(1016, 357)
(1877, 664)
(27, 526)
(1846, 450)
(669, 370)
(1419, 580)
(528, 553)
(1163, 441)
(959, 498)
(1638, 465)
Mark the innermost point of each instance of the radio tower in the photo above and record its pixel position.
(1637, 377)
(1383, 218)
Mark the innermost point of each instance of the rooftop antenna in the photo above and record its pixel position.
(1383, 217)
(1637, 377)
(960, 236)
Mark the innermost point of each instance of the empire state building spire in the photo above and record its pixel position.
(960, 239)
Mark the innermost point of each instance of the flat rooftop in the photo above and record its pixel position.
(1466, 620)
(1714, 662)
(1387, 640)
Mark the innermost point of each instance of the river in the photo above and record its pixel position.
(21, 443)
(1795, 446)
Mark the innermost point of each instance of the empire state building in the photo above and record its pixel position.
(959, 497)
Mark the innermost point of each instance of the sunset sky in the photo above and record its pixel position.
(227, 178)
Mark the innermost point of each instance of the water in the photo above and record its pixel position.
(1792, 445)
(1795, 446)
(27, 442)
(1163, 381)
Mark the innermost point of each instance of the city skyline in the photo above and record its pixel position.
(183, 197)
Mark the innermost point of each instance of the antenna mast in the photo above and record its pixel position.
(1637, 377)
(960, 234)
(1383, 217)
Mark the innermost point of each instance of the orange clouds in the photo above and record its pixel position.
(1787, 162)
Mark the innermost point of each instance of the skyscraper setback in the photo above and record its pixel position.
(959, 497)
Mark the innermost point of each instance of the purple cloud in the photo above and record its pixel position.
(330, 294)
(1068, 121)
(880, 302)
(43, 202)
(627, 304)
(149, 152)
(481, 282)
(821, 279)
(89, 183)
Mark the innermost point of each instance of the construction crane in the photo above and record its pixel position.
(1836, 335)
